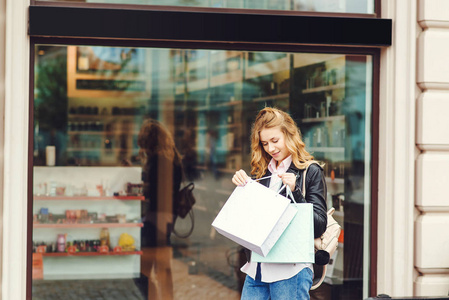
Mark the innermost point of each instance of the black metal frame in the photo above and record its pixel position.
(68, 23)
(213, 26)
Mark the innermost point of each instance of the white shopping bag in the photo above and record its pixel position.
(296, 243)
(255, 217)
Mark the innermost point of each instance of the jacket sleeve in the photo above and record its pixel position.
(316, 192)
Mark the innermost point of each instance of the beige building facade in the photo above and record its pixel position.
(431, 261)
(413, 209)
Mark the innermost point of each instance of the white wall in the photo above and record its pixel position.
(2, 114)
(397, 148)
(432, 139)
(15, 150)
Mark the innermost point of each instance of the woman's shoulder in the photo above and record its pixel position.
(313, 169)
(315, 165)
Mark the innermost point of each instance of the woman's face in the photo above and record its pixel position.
(273, 142)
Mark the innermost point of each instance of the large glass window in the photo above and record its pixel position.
(335, 6)
(117, 133)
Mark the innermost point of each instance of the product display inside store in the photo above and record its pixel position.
(119, 131)
(82, 212)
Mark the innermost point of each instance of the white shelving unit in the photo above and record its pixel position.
(71, 180)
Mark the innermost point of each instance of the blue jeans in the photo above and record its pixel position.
(296, 287)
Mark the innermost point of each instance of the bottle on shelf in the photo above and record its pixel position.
(104, 237)
(61, 242)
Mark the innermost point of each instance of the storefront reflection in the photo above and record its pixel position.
(168, 117)
(161, 176)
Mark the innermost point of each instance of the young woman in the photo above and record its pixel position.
(278, 151)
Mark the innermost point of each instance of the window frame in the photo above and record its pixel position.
(156, 23)
(68, 38)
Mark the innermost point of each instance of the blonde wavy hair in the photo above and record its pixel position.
(155, 139)
(273, 117)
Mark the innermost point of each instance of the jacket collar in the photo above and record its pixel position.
(291, 169)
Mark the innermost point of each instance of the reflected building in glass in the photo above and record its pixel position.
(132, 126)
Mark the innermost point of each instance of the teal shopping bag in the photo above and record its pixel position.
(296, 243)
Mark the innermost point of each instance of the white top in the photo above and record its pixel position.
(274, 272)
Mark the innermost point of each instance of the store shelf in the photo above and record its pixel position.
(327, 149)
(89, 225)
(324, 119)
(111, 253)
(323, 88)
(78, 198)
(273, 97)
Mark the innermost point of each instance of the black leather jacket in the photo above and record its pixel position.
(316, 192)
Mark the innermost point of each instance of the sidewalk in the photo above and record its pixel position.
(185, 287)
(198, 286)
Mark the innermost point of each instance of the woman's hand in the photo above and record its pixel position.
(289, 179)
(240, 178)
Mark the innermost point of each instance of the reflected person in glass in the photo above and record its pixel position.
(161, 176)
(277, 150)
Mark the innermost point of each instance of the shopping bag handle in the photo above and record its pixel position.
(257, 179)
(288, 190)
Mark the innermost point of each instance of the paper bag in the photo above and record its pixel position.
(296, 243)
(255, 217)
